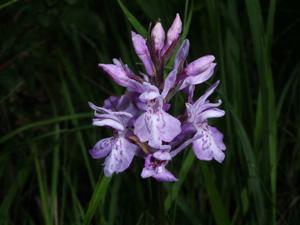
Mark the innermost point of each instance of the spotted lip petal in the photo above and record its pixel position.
(155, 125)
(210, 145)
(102, 148)
(120, 156)
(157, 170)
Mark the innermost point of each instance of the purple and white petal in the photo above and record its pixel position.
(162, 155)
(170, 127)
(218, 137)
(207, 148)
(173, 33)
(142, 51)
(141, 129)
(169, 82)
(182, 54)
(164, 175)
(198, 79)
(158, 37)
(199, 65)
(154, 124)
(210, 113)
(102, 148)
(120, 157)
(156, 169)
(147, 172)
(119, 75)
(109, 123)
(208, 92)
(150, 92)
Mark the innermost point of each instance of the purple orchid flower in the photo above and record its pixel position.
(210, 144)
(155, 125)
(118, 151)
(155, 166)
(140, 119)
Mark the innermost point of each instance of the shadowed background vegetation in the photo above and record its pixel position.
(49, 51)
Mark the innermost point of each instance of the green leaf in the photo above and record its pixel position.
(132, 20)
(218, 208)
(4, 5)
(97, 197)
(173, 193)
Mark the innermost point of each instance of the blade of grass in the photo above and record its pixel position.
(217, 206)
(186, 209)
(132, 20)
(79, 135)
(186, 28)
(55, 171)
(77, 205)
(42, 187)
(97, 197)
(8, 200)
(253, 179)
(270, 23)
(262, 41)
(113, 208)
(187, 19)
(44, 123)
(173, 193)
(7, 4)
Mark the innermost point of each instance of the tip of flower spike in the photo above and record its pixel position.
(176, 28)
(177, 20)
(158, 36)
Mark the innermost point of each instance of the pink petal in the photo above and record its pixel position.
(158, 37)
(199, 65)
(102, 148)
(120, 157)
(142, 51)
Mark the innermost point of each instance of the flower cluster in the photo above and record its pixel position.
(140, 119)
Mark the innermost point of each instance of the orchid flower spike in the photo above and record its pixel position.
(143, 120)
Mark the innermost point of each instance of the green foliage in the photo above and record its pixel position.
(49, 51)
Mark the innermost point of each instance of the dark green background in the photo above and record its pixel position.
(49, 51)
